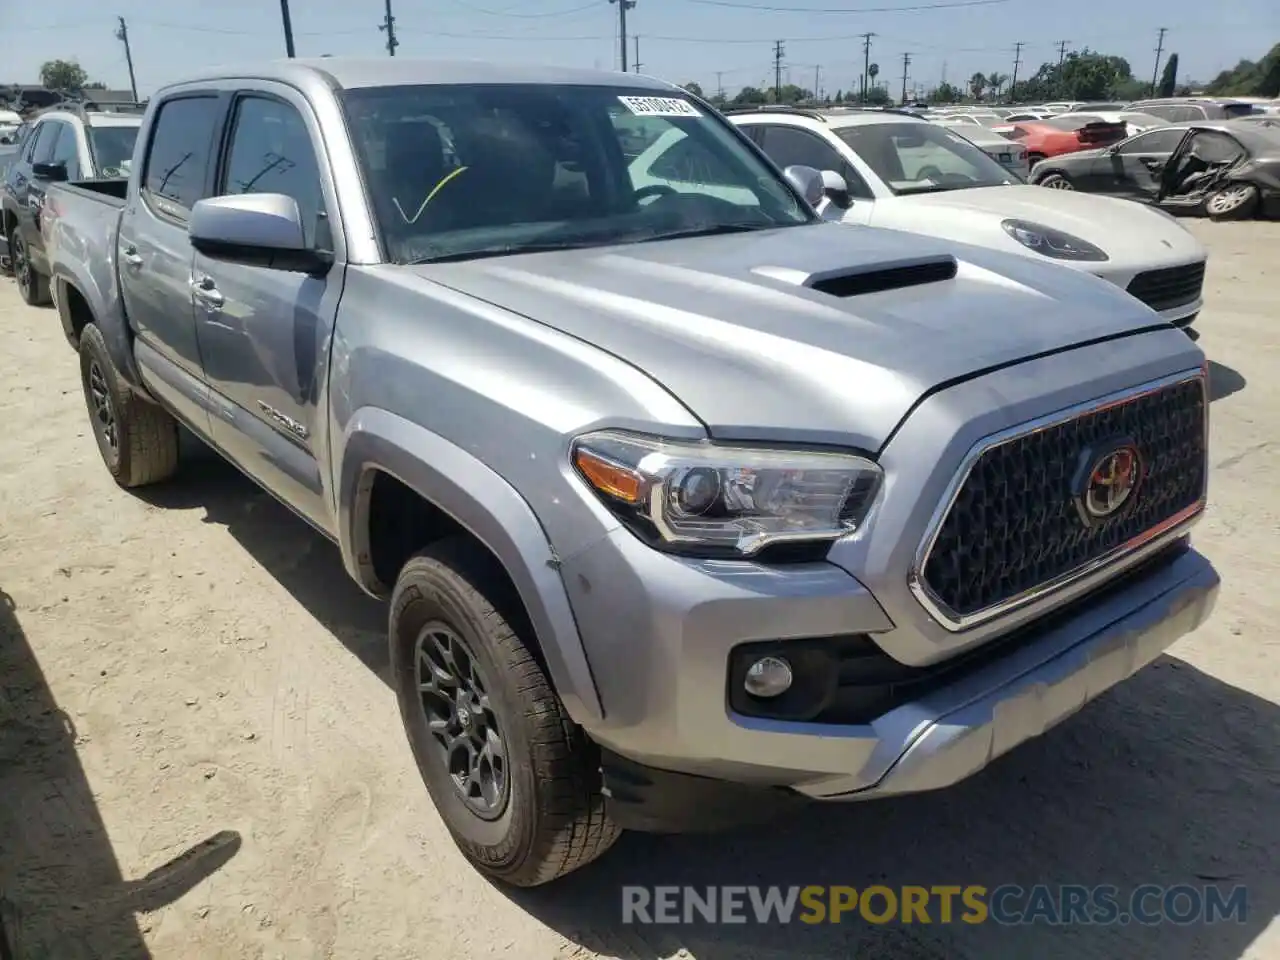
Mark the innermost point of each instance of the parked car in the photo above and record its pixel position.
(886, 170)
(1133, 122)
(1011, 156)
(1055, 136)
(1180, 109)
(63, 144)
(9, 124)
(1227, 170)
(689, 505)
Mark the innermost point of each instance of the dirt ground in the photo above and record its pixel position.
(200, 757)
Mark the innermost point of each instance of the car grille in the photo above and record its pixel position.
(1013, 525)
(1170, 287)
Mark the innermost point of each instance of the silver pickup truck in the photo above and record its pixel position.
(689, 506)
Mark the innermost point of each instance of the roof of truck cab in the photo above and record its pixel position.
(355, 72)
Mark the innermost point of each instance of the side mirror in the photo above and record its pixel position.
(807, 180)
(256, 229)
(6, 139)
(836, 189)
(57, 172)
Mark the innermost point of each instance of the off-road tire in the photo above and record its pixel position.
(554, 821)
(146, 445)
(33, 287)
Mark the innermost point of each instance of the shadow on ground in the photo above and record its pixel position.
(1223, 381)
(1172, 778)
(62, 894)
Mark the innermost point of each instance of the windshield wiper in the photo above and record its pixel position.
(505, 250)
(706, 230)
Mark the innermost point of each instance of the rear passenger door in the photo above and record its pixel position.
(264, 333)
(155, 256)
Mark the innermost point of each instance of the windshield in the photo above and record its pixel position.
(113, 148)
(459, 171)
(922, 157)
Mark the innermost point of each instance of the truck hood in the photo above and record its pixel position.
(1133, 236)
(732, 327)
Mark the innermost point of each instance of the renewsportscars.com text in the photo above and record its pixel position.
(1009, 904)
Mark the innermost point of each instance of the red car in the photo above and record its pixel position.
(1052, 137)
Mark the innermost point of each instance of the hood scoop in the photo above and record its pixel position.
(880, 277)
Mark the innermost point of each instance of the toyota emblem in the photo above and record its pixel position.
(1110, 483)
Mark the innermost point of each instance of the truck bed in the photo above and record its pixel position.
(111, 192)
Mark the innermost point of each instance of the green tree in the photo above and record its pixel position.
(749, 97)
(996, 82)
(63, 75)
(695, 88)
(1169, 78)
(879, 97)
(946, 93)
(977, 84)
(1250, 79)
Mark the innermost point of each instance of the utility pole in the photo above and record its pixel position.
(636, 43)
(777, 71)
(719, 84)
(288, 28)
(122, 34)
(1062, 51)
(906, 65)
(817, 79)
(1017, 61)
(623, 7)
(1159, 50)
(866, 62)
(389, 25)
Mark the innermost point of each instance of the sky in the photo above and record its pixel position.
(717, 43)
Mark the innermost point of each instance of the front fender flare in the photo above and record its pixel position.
(484, 504)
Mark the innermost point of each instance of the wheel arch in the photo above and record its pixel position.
(384, 455)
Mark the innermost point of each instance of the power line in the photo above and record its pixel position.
(527, 16)
(623, 7)
(1159, 50)
(777, 71)
(942, 5)
(389, 26)
(122, 34)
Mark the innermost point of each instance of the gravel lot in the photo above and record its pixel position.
(200, 757)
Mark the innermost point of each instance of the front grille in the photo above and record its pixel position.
(1014, 525)
(1169, 287)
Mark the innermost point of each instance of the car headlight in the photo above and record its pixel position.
(707, 499)
(1052, 243)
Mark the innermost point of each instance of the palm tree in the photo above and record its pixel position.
(977, 84)
(996, 82)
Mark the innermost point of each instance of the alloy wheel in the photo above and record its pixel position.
(461, 720)
(1230, 199)
(104, 414)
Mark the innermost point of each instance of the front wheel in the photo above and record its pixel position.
(33, 287)
(1235, 202)
(516, 782)
(1057, 181)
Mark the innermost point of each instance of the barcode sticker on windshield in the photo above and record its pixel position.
(660, 107)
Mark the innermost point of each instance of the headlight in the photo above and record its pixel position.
(1052, 243)
(713, 500)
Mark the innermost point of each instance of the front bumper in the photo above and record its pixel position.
(678, 758)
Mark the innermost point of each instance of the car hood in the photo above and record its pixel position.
(729, 325)
(1131, 234)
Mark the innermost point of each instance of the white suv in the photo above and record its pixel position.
(888, 169)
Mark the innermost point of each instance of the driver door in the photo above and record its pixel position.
(1138, 165)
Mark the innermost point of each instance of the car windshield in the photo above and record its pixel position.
(471, 170)
(113, 148)
(922, 157)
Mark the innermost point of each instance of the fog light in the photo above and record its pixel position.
(768, 677)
